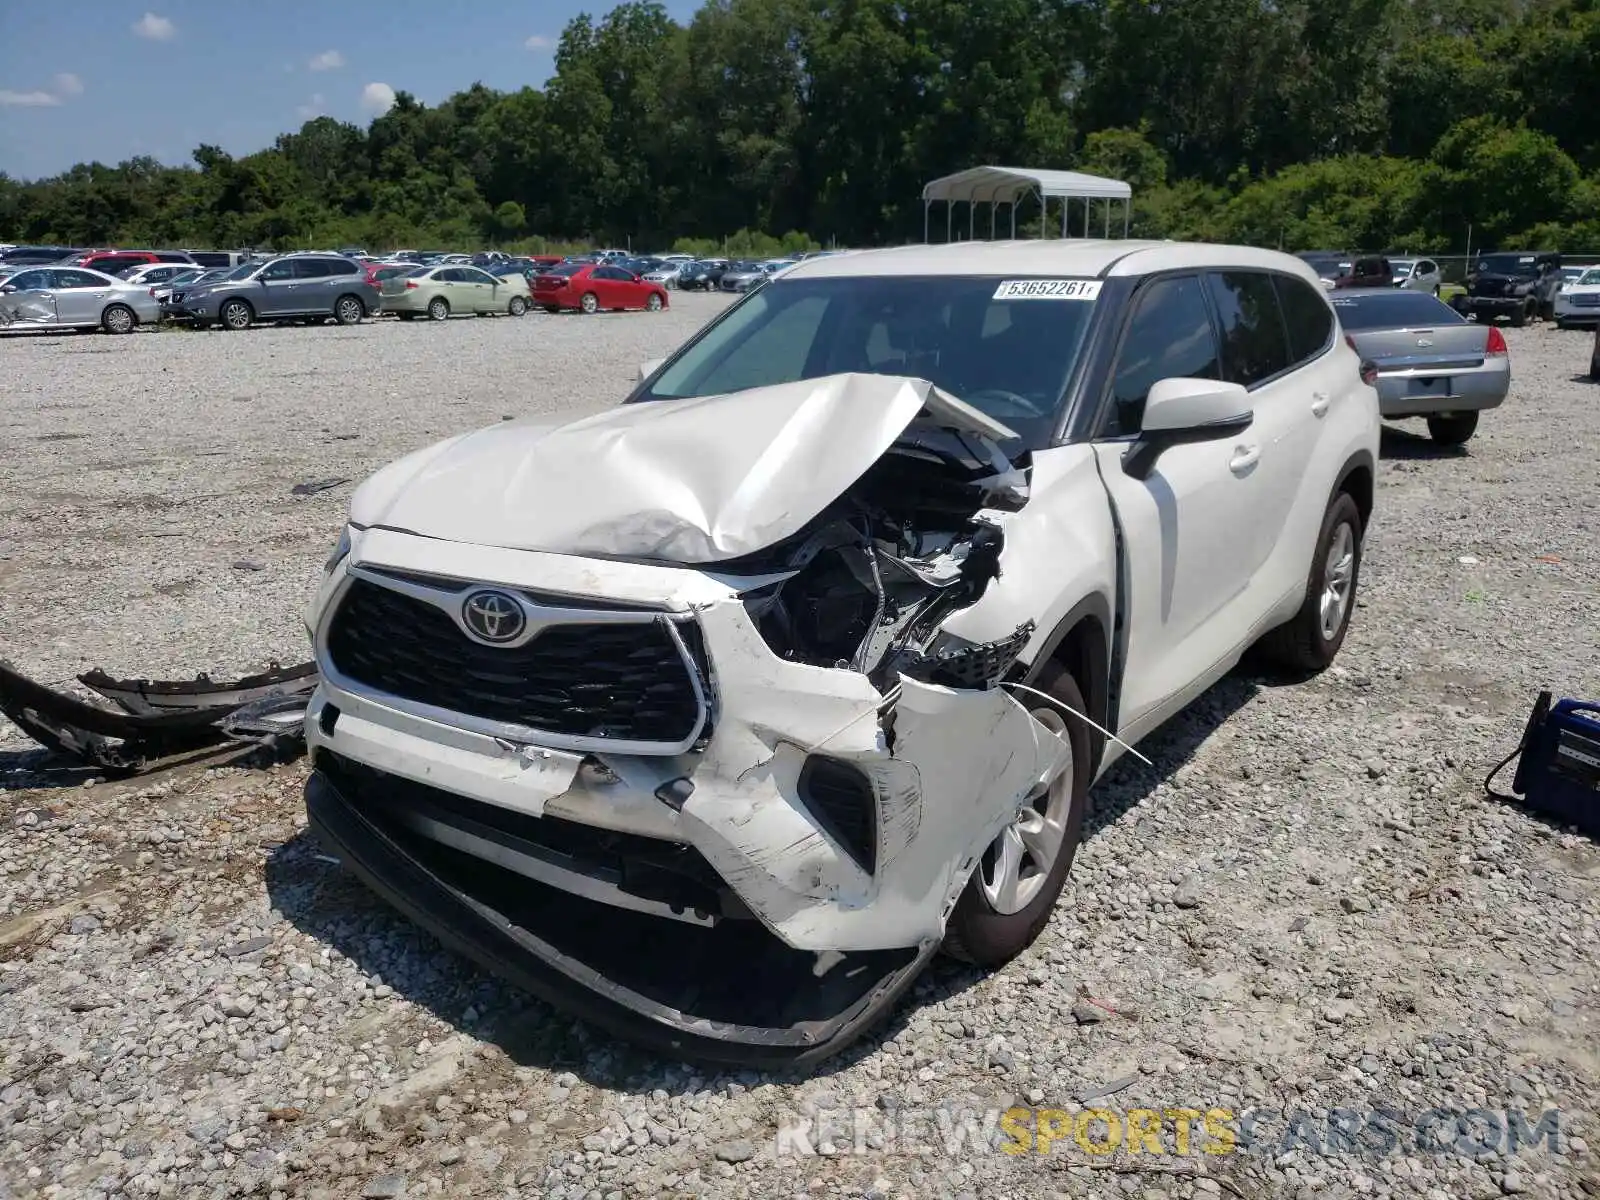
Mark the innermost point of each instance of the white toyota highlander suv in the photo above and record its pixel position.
(714, 716)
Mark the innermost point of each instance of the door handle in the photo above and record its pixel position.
(1244, 457)
(1319, 404)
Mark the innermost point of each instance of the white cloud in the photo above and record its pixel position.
(313, 108)
(377, 98)
(540, 42)
(68, 84)
(10, 99)
(157, 29)
(328, 60)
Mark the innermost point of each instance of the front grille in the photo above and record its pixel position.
(1588, 300)
(622, 682)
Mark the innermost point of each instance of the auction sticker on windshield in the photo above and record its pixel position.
(1047, 289)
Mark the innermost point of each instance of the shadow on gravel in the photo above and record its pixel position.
(332, 907)
(1401, 443)
(37, 768)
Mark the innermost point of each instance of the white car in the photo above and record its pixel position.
(74, 298)
(712, 717)
(1417, 274)
(1577, 303)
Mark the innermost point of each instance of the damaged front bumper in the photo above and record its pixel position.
(667, 985)
(803, 824)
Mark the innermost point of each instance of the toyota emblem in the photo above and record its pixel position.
(493, 616)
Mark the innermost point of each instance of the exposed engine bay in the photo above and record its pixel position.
(874, 574)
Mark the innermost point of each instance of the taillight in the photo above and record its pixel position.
(1496, 345)
(411, 284)
(153, 292)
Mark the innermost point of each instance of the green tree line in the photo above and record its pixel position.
(1300, 123)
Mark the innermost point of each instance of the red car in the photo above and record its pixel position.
(110, 262)
(591, 287)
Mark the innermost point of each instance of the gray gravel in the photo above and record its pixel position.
(1306, 905)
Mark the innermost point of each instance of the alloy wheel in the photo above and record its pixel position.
(1018, 862)
(1338, 577)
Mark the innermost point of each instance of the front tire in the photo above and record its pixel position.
(1310, 639)
(237, 315)
(517, 307)
(1453, 430)
(438, 309)
(349, 310)
(654, 303)
(1019, 876)
(118, 318)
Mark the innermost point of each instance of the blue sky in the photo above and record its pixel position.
(108, 80)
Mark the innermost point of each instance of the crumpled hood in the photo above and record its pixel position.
(699, 480)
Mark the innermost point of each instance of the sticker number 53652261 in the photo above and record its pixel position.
(1047, 289)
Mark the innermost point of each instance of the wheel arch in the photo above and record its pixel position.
(1081, 644)
(1358, 478)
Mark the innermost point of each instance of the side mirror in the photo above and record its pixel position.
(648, 368)
(1178, 412)
(8, 289)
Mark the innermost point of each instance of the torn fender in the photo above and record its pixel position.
(962, 761)
(693, 481)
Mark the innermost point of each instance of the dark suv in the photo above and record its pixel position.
(1518, 285)
(295, 287)
(1366, 272)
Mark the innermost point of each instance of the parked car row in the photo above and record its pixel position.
(309, 288)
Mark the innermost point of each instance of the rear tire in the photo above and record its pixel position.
(118, 318)
(438, 309)
(1519, 318)
(589, 304)
(348, 310)
(983, 932)
(1309, 640)
(1454, 429)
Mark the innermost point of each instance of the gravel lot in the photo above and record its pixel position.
(1306, 905)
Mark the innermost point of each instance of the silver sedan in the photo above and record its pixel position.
(1431, 361)
(74, 298)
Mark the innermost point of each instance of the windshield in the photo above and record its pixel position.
(1393, 310)
(1009, 357)
(242, 271)
(1508, 264)
(1590, 276)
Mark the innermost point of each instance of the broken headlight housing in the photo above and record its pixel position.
(341, 551)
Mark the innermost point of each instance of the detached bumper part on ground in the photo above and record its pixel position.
(670, 782)
(158, 718)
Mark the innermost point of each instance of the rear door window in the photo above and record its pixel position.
(1255, 346)
(77, 279)
(1170, 336)
(1307, 315)
(311, 268)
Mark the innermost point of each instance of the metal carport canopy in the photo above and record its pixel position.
(1008, 185)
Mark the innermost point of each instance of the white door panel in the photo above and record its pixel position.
(1187, 544)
